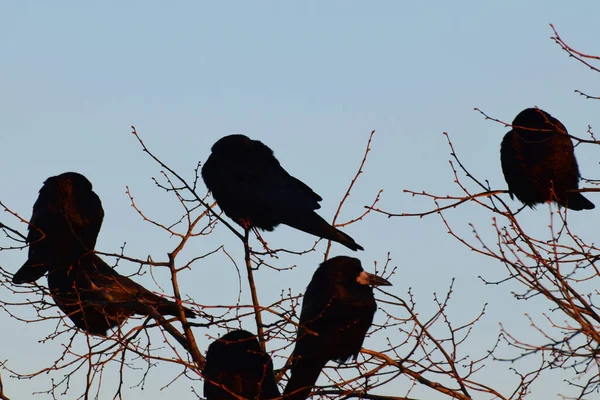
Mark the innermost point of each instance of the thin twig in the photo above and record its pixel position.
(187, 186)
(347, 194)
(416, 376)
(579, 56)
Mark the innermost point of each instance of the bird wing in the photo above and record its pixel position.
(280, 192)
(562, 159)
(106, 284)
(43, 219)
(58, 228)
(511, 164)
(258, 183)
(278, 189)
(316, 306)
(341, 318)
(90, 215)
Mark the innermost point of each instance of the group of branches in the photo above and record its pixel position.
(560, 267)
(422, 354)
(410, 351)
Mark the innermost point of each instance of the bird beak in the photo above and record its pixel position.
(366, 278)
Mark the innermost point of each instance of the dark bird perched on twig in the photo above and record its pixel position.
(65, 223)
(66, 220)
(237, 363)
(254, 190)
(338, 307)
(538, 162)
(96, 298)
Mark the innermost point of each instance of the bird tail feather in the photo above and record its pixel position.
(162, 305)
(315, 225)
(29, 272)
(577, 202)
(167, 307)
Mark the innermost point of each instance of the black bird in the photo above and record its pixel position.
(66, 220)
(537, 158)
(254, 190)
(96, 298)
(65, 223)
(338, 307)
(236, 362)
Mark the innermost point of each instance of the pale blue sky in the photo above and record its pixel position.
(311, 80)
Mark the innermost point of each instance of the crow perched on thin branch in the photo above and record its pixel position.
(66, 220)
(96, 298)
(254, 190)
(236, 362)
(65, 223)
(538, 162)
(339, 307)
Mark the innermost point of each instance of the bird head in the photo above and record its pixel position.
(240, 147)
(537, 119)
(232, 144)
(365, 278)
(238, 340)
(70, 179)
(71, 195)
(348, 271)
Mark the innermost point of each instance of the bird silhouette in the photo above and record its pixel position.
(96, 298)
(235, 364)
(337, 311)
(65, 223)
(253, 189)
(538, 162)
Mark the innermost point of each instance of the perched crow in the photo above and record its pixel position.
(537, 158)
(65, 223)
(96, 298)
(254, 190)
(339, 307)
(237, 363)
(66, 220)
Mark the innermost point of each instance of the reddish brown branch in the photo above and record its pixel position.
(186, 185)
(254, 294)
(416, 376)
(578, 139)
(2, 395)
(460, 200)
(579, 56)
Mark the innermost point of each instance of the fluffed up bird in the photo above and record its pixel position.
(538, 162)
(67, 218)
(65, 223)
(96, 298)
(339, 307)
(236, 364)
(253, 189)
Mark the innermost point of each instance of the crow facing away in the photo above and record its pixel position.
(65, 223)
(537, 158)
(253, 189)
(339, 307)
(237, 363)
(66, 220)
